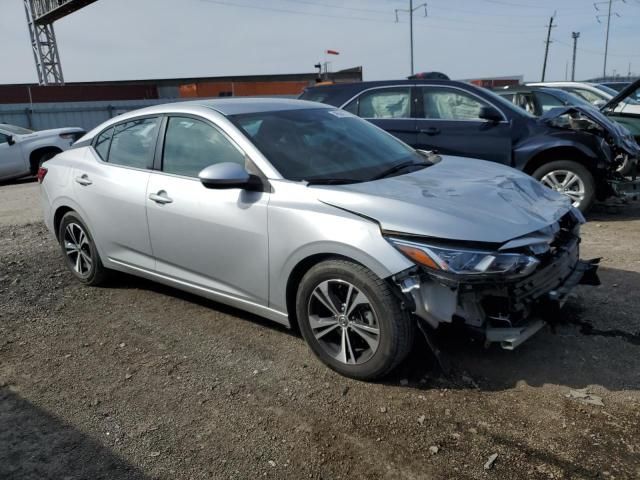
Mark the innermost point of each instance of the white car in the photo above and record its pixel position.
(22, 151)
(595, 93)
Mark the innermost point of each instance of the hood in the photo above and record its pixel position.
(456, 199)
(620, 98)
(52, 132)
(620, 136)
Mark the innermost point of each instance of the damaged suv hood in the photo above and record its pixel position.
(455, 199)
(620, 136)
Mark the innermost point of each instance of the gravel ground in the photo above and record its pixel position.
(137, 380)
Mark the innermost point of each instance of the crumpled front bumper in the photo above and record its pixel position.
(504, 312)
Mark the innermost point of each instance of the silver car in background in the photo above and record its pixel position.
(22, 150)
(310, 216)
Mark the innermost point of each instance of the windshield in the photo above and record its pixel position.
(326, 144)
(15, 129)
(608, 90)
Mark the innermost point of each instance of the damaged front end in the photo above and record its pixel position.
(505, 293)
(618, 148)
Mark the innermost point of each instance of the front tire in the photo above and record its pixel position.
(571, 179)
(79, 250)
(352, 321)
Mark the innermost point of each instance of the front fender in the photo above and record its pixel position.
(529, 149)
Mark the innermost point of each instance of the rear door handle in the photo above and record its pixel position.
(160, 197)
(430, 130)
(83, 180)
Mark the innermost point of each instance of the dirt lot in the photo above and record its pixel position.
(141, 381)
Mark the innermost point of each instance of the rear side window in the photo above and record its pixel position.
(4, 138)
(133, 143)
(382, 103)
(191, 145)
(102, 144)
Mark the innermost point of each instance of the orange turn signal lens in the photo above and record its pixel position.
(418, 256)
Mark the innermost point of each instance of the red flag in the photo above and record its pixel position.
(333, 52)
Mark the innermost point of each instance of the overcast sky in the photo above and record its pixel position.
(138, 39)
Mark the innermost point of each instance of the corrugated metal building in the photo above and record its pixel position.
(90, 103)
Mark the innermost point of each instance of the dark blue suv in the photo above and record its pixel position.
(573, 150)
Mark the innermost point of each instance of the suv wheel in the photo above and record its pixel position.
(571, 179)
(352, 321)
(80, 253)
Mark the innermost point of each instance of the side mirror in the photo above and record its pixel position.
(11, 140)
(490, 114)
(228, 175)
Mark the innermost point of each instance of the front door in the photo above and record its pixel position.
(215, 239)
(11, 162)
(390, 108)
(450, 124)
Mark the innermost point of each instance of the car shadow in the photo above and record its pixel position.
(613, 212)
(594, 341)
(36, 445)
(19, 181)
(124, 280)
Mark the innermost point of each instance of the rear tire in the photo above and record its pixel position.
(571, 179)
(80, 252)
(357, 328)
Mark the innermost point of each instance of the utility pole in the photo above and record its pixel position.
(606, 42)
(410, 11)
(546, 49)
(575, 36)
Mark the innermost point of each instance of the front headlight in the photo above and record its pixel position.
(466, 262)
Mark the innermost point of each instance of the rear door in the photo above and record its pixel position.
(449, 123)
(390, 108)
(111, 187)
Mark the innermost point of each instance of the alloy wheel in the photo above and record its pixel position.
(567, 183)
(77, 248)
(343, 322)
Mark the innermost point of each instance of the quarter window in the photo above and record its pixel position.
(382, 103)
(450, 104)
(102, 144)
(133, 143)
(191, 145)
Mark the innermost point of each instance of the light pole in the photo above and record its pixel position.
(575, 36)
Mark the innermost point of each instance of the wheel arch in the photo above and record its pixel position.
(565, 152)
(35, 155)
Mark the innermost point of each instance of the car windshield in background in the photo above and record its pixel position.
(631, 99)
(507, 104)
(327, 146)
(15, 129)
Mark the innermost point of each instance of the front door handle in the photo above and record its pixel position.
(430, 130)
(160, 197)
(83, 180)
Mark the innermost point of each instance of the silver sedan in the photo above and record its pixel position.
(310, 216)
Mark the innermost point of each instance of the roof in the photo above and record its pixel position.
(237, 106)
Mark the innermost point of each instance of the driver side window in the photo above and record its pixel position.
(441, 103)
(191, 145)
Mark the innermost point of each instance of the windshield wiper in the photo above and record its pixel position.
(399, 167)
(331, 181)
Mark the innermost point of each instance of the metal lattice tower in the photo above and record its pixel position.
(40, 17)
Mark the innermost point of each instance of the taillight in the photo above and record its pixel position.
(42, 172)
